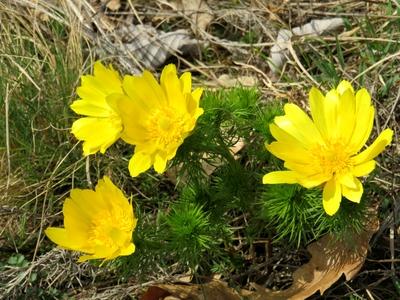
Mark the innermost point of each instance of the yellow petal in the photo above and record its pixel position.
(317, 99)
(172, 88)
(97, 133)
(94, 89)
(347, 179)
(134, 134)
(283, 136)
(91, 108)
(155, 87)
(128, 250)
(103, 82)
(108, 78)
(299, 125)
(98, 252)
(353, 194)
(346, 115)
(375, 149)
(196, 94)
(79, 210)
(290, 129)
(364, 120)
(192, 105)
(139, 163)
(160, 164)
(147, 148)
(331, 104)
(89, 90)
(290, 152)
(167, 70)
(186, 82)
(124, 251)
(305, 170)
(314, 180)
(364, 168)
(278, 177)
(81, 207)
(170, 154)
(197, 113)
(106, 188)
(344, 86)
(133, 118)
(144, 91)
(60, 237)
(331, 196)
(130, 109)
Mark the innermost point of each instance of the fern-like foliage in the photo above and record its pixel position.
(189, 231)
(297, 216)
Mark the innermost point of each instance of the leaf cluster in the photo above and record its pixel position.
(297, 216)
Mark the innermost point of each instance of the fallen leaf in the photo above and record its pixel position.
(330, 259)
(198, 11)
(213, 290)
(279, 51)
(137, 46)
(147, 46)
(112, 4)
(155, 293)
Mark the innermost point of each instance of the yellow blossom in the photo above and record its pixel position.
(326, 149)
(157, 117)
(102, 126)
(98, 223)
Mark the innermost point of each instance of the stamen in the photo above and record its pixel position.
(167, 127)
(332, 158)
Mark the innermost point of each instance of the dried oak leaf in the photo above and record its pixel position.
(213, 290)
(330, 259)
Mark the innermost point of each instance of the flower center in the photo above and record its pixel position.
(110, 229)
(332, 158)
(167, 127)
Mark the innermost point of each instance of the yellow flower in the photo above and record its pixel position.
(327, 148)
(102, 126)
(157, 117)
(99, 223)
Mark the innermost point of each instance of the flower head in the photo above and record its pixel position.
(326, 149)
(102, 126)
(157, 117)
(99, 223)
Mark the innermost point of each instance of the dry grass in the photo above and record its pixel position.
(236, 42)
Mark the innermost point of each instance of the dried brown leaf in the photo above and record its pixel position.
(330, 259)
(198, 11)
(112, 4)
(213, 290)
